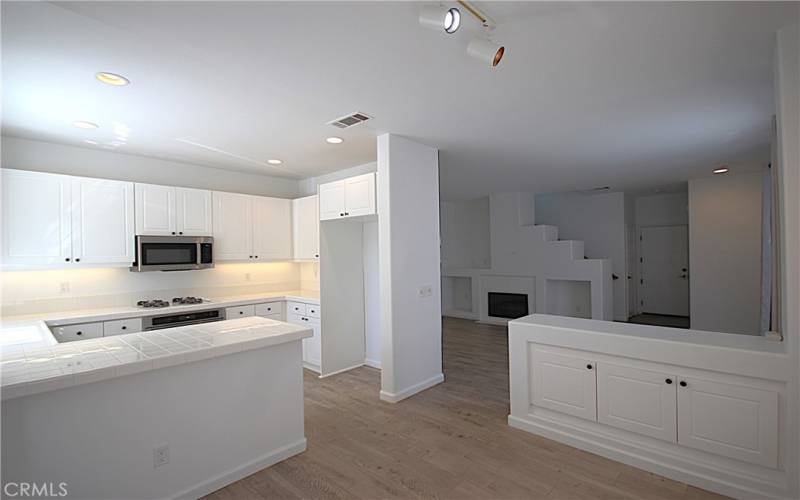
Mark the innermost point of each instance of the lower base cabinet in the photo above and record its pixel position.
(312, 347)
(713, 415)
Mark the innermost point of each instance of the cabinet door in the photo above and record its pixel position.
(564, 383)
(331, 200)
(359, 195)
(102, 221)
(155, 210)
(272, 228)
(637, 400)
(240, 312)
(193, 211)
(731, 420)
(232, 227)
(312, 349)
(305, 228)
(36, 219)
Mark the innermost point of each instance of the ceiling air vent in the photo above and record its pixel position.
(348, 121)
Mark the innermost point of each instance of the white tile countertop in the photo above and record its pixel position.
(41, 369)
(32, 330)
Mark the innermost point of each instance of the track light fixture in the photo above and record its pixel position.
(438, 17)
(486, 50)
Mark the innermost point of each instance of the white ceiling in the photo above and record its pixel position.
(629, 95)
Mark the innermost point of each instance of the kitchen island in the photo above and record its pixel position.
(175, 413)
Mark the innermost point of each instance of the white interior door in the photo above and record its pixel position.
(36, 219)
(664, 278)
(193, 211)
(102, 221)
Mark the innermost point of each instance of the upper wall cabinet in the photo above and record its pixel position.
(54, 220)
(251, 227)
(349, 197)
(168, 211)
(305, 228)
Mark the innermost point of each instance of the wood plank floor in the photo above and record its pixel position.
(451, 441)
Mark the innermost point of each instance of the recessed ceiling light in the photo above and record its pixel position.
(721, 170)
(334, 140)
(274, 162)
(112, 78)
(86, 125)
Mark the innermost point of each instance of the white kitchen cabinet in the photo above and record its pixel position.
(565, 383)
(69, 333)
(59, 221)
(272, 228)
(312, 346)
(732, 420)
(102, 221)
(122, 326)
(272, 310)
(252, 228)
(305, 228)
(233, 226)
(636, 400)
(240, 312)
(172, 211)
(36, 225)
(155, 210)
(351, 197)
(193, 212)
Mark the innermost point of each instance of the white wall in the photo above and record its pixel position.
(28, 292)
(372, 316)
(408, 241)
(465, 233)
(725, 253)
(25, 154)
(599, 221)
(666, 209)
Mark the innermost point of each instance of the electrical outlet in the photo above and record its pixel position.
(160, 455)
(247, 276)
(425, 291)
(64, 287)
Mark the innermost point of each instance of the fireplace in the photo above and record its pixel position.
(508, 305)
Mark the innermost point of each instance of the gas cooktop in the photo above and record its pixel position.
(178, 301)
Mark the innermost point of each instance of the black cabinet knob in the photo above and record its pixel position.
(180, 232)
(256, 256)
(589, 366)
(241, 312)
(683, 383)
(173, 232)
(251, 256)
(669, 381)
(67, 259)
(341, 214)
(316, 255)
(78, 333)
(124, 327)
(77, 260)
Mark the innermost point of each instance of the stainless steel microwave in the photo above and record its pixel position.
(173, 253)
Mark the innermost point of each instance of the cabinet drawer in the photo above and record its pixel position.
(240, 312)
(269, 308)
(84, 331)
(313, 311)
(297, 308)
(122, 326)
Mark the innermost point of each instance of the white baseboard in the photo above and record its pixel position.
(394, 397)
(213, 484)
(311, 366)
(342, 370)
(703, 475)
(372, 363)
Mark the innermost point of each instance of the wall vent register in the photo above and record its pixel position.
(508, 305)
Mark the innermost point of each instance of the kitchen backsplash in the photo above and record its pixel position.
(309, 276)
(31, 292)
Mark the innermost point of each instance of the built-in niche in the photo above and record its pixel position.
(569, 298)
(457, 297)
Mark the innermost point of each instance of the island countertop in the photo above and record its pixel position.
(58, 366)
